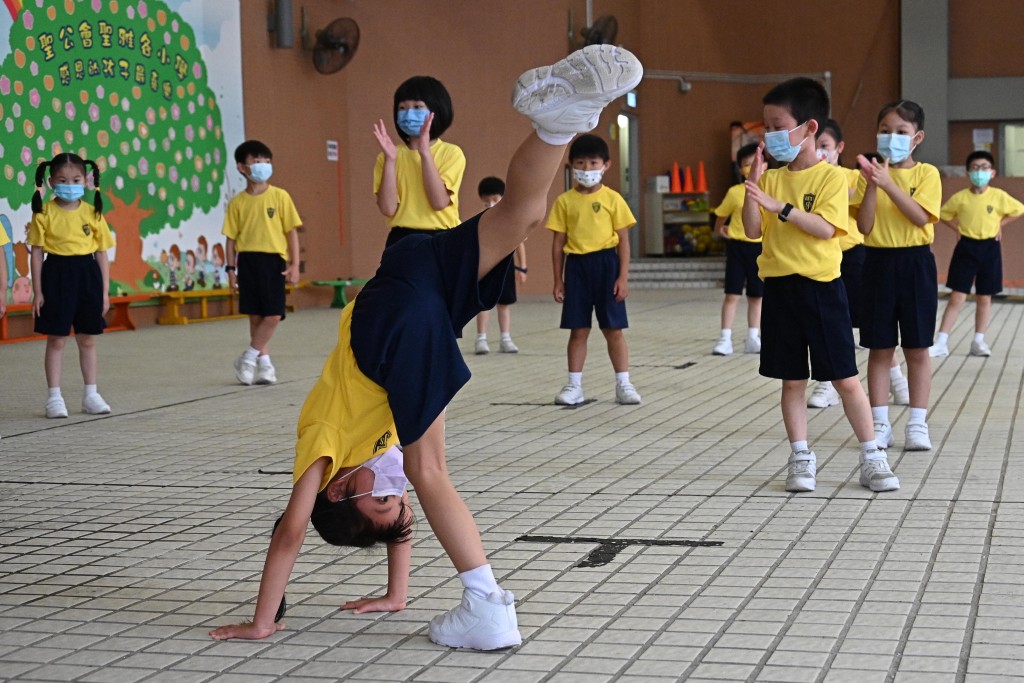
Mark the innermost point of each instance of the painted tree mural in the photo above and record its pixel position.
(121, 82)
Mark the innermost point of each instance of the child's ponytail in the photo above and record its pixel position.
(37, 196)
(97, 201)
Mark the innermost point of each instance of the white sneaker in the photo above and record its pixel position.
(567, 97)
(94, 405)
(482, 349)
(876, 474)
(55, 407)
(508, 346)
(900, 390)
(752, 345)
(722, 348)
(883, 435)
(937, 350)
(479, 623)
(626, 394)
(980, 348)
(916, 437)
(802, 469)
(823, 396)
(245, 369)
(265, 373)
(570, 395)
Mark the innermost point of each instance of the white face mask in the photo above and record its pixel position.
(388, 475)
(587, 178)
(829, 156)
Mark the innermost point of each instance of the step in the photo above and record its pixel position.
(677, 273)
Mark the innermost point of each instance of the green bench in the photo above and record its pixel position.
(340, 299)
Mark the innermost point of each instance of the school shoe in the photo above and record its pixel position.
(883, 434)
(479, 623)
(823, 396)
(626, 394)
(876, 474)
(245, 369)
(570, 395)
(55, 407)
(802, 468)
(937, 350)
(900, 390)
(722, 348)
(482, 348)
(94, 404)
(265, 373)
(980, 348)
(508, 346)
(567, 97)
(916, 437)
(752, 345)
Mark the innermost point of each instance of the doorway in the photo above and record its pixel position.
(629, 169)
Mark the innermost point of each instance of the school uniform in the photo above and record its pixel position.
(259, 224)
(977, 258)
(590, 223)
(805, 311)
(72, 284)
(741, 252)
(852, 244)
(900, 290)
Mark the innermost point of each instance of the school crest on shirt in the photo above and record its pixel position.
(270, 211)
(382, 442)
(808, 201)
(596, 206)
(990, 208)
(912, 191)
(86, 230)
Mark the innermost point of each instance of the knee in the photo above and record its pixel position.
(85, 341)
(426, 472)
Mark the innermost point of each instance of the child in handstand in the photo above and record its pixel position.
(397, 365)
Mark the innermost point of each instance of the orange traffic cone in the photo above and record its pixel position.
(702, 181)
(688, 180)
(675, 184)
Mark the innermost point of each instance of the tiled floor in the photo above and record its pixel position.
(123, 539)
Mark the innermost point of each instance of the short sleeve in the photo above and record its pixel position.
(949, 210)
(378, 172)
(558, 218)
(451, 166)
(622, 217)
(928, 193)
(231, 220)
(289, 214)
(37, 230)
(104, 238)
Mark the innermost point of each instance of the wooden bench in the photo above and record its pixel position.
(173, 301)
(120, 318)
(340, 299)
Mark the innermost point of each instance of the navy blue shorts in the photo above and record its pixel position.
(589, 281)
(741, 268)
(901, 297)
(803, 318)
(408, 316)
(261, 284)
(508, 289)
(977, 262)
(72, 296)
(852, 270)
(398, 233)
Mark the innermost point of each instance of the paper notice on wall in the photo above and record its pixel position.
(983, 138)
(332, 150)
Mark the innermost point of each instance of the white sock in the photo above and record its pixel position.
(53, 392)
(880, 414)
(557, 139)
(799, 446)
(753, 333)
(576, 379)
(481, 336)
(506, 336)
(979, 337)
(90, 389)
(917, 416)
(868, 447)
(727, 334)
(265, 361)
(251, 353)
(942, 339)
(825, 385)
(622, 377)
(895, 372)
(480, 580)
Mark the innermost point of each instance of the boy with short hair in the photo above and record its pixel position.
(978, 214)
(590, 255)
(741, 254)
(491, 190)
(799, 210)
(260, 225)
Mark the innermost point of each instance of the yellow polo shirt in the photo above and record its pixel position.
(979, 215)
(590, 221)
(732, 208)
(414, 209)
(892, 228)
(74, 232)
(262, 221)
(853, 236)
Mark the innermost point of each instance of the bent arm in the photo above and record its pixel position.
(907, 206)
(437, 192)
(866, 214)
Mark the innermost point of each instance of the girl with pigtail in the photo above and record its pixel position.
(70, 273)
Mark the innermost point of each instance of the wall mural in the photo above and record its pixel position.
(151, 91)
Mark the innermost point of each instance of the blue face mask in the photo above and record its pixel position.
(777, 144)
(68, 192)
(411, 121)
(894, 146)
(980, 178)
(260, 172)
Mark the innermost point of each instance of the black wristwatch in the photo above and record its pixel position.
(521, 270)
(228, 269)
(784, 214)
